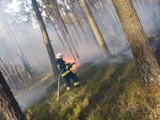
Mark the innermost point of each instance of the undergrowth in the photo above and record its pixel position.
(107, 92)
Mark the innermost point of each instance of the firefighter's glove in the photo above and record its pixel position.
(71, 65)
(68, 66)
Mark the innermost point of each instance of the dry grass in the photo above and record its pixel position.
(108, 92)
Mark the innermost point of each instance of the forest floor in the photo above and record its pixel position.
(35, 91)
(107, 92)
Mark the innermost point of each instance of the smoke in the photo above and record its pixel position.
(28, 96)
(29, 38)
(31, 42)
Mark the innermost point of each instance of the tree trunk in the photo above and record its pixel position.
(86, 25)
(146, 63)
(71, 20)
(8, 104)
(66, 30)
(94, 26)
(51, 19)
(77, 16)
(65, 34)
(45, 38)
(25, 62)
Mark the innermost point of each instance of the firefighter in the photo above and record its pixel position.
(65, 71)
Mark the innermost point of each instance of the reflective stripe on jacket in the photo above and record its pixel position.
(62, 66)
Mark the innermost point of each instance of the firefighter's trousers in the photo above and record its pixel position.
(70, 76)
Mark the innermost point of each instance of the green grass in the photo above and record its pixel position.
(107, 92)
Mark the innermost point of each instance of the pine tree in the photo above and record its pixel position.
(146, 63)
(8, 104)
(45, 38)
(94, 26)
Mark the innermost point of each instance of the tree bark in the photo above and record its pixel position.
(46, 38)
(95, 28)
(8, 104)
(146, 63)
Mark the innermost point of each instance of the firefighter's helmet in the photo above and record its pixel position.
(59, 56)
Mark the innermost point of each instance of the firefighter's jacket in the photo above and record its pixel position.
(62, 66)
